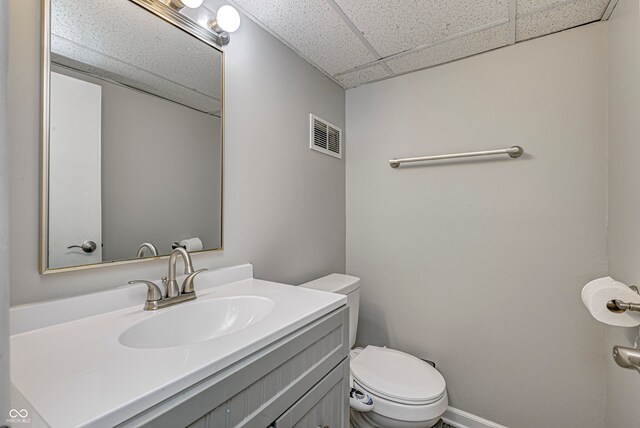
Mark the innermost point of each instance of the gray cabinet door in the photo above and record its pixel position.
(326, 405)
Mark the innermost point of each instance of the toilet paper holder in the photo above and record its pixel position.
(176, 244)
(628, 358)
(618, 306)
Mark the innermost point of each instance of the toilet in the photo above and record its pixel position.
(407, 392)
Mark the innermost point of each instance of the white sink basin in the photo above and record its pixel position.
(195, 322)
(98, 381)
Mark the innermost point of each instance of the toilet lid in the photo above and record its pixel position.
(397, 376)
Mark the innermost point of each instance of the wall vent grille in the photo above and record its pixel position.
(325, 137)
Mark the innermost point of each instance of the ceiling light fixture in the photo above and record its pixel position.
(227, 20)
(191, 4)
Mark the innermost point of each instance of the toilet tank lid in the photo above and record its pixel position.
(335, 283)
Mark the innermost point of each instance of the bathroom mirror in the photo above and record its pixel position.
(132, 138)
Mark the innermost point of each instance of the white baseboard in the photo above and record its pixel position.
(461, 419)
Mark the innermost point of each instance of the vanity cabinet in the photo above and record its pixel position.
(323, 406)
(300, 380)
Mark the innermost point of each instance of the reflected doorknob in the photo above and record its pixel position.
(87, 246)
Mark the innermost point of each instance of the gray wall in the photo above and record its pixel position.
(478, 265)
(623, 390)
(153, 149)
(283, 204)
(4, 219)
(179, 198)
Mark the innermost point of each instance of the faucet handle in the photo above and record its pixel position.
(153, 291)
(187, 285)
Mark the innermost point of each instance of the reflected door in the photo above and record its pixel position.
(75, 208)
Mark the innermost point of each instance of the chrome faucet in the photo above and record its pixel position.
(147, 246)
(172, 285)
(174, 294)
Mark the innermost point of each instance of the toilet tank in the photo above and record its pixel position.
(342, 284)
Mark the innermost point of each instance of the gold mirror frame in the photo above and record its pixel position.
(174, 18)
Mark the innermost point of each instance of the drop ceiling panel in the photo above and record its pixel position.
(396, 26)
(315, 29)
(358, 77)
(94, 63)
(360, 41)
(98, 37)
(461, 47)
(564, 15)
(525, 7)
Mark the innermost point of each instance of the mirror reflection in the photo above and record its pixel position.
(135, 136)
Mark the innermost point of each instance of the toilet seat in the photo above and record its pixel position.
(397, 377)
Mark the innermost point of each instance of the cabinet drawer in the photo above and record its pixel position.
(326, 405)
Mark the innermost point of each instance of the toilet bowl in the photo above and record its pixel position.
(406, 391)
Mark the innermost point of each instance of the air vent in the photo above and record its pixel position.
(325, 137)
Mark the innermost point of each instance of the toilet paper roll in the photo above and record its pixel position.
(596, 295)
(192, 244)
(599, 283)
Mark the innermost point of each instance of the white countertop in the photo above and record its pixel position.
(77, 373)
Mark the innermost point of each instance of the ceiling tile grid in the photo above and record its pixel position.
(314, 29)
(525, 7)
(393, 27)
(461, 47)
(359, 41)
(369, 74)
(562, 16)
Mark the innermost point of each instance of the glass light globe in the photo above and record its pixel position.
(192, 4)
(228, 18)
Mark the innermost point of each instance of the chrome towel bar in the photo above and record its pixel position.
(514, 152)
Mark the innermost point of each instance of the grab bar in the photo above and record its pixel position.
(514, 152)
